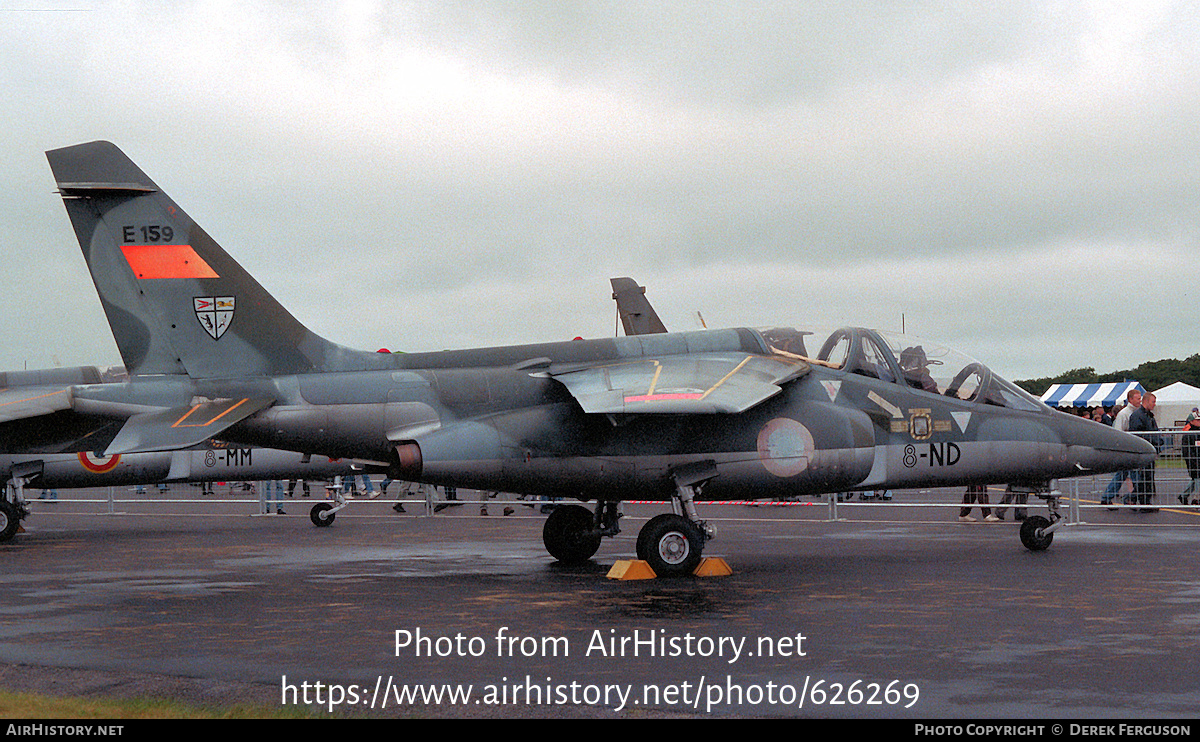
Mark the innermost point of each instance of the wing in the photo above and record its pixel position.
(43, 419)
(692, 383)
(33, 401)
(183, 427)
(51, 419)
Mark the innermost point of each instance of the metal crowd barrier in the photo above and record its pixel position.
(1077, 495)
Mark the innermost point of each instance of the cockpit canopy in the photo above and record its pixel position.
(900, 359)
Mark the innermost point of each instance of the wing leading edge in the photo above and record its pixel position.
(33, 401)
(183, 427)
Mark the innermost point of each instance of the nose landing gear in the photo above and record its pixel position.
(1037, 533)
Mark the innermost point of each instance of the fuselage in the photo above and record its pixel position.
(215, 464)
(497, 418)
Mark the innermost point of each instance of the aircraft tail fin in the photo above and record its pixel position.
(176, 302)
(637, 316)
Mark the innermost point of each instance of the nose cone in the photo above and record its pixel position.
(1094, 447)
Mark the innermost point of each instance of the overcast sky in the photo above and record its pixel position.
(1018, 180)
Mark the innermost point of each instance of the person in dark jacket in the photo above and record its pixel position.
(1190, 447)
(1142, 421)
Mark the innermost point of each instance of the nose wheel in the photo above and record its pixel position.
(1034, 533)
(323, 513)
(321, 516)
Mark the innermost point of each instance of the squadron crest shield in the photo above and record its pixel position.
(214, 313)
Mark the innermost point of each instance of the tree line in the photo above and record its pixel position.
(1151, 374)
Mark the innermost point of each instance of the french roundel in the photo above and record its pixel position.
(99, 464)
(784, 447)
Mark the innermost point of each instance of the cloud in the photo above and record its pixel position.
(1016, 178)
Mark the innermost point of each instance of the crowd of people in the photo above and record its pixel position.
(348, 486)
(1135, 415)
(977, 493)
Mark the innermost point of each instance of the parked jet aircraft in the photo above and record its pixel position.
(213, 462)
(217, 463)
(677, 417)
(637, 315)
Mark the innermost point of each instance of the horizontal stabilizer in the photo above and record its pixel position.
(183, 427)
(696, 383)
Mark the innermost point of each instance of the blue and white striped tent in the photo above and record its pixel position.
(1089, 395)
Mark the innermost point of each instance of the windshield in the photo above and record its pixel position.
(900, 359)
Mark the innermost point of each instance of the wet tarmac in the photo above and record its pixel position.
(893, 612)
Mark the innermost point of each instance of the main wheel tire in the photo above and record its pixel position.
(10, 520)
(570, 534)
(1031, 535)
(318, 515)
(671, 544)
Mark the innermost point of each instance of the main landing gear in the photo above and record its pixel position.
(12, 505)
(10, 519)
(672, 543)
(572, 532)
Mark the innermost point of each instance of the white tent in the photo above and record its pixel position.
(1174, 402)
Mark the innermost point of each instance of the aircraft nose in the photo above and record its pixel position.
(1099, 448)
